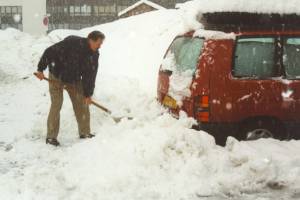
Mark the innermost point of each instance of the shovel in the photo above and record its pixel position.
(106, 110)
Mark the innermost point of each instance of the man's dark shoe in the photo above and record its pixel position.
(52, 141)
(86, 136)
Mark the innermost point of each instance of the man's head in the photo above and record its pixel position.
(95, 39)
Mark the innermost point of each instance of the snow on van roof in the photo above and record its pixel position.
(213, 34)
(252, 6)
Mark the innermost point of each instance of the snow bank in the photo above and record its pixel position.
(135, 50)
(153, 156)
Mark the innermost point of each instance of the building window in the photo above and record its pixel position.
(81, 10)
(66, 10)
(86, 10)
(100, 10)
(14, 10)
(77, 11)
(72, 10)
(11, 16)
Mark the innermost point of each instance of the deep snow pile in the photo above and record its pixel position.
(153, 156)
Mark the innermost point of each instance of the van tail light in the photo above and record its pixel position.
(204, 102)
(202, 108)
(204, 116)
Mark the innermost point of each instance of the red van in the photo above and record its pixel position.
(244, 83)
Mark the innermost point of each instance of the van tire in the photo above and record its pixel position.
(262, 128)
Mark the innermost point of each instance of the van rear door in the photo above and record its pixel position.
(177, 73)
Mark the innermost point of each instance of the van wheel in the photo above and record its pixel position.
(262, 128)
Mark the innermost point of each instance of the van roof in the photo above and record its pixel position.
(217, 35)
(243, 21)
(253, 6)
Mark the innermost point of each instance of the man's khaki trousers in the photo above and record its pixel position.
(81, 109)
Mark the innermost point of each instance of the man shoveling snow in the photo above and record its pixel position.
(73, 65)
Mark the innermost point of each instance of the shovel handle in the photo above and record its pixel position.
(47, 79)
(101, 107)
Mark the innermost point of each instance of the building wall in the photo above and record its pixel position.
(166, 3)
(33, 13)
(69, 14)
(77, 14)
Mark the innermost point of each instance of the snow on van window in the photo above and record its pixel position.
(214, 34)
(169, 62)
(183, 54)
(182, 59)
(179, 85)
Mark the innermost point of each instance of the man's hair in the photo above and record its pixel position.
(96, 35)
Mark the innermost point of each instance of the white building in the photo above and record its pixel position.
(26, 15)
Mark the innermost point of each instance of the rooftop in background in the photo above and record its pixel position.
(139, 3)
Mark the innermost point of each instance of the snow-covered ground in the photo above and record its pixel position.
(153, 156)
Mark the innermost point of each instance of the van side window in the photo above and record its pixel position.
(291, 57)
(255, 58)
(183, 54)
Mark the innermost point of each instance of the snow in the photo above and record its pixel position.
(153, 156)
(287, 94)
(180, 83)
(254, 6)
(149, 3)
(216, 35)
(244, 97)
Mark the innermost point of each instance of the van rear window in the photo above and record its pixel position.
(291, 58)
(255, 58)
(183, 54)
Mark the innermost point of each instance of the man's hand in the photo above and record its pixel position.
(40, 75)
(88, 100)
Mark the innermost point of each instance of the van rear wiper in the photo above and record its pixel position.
(166, 71)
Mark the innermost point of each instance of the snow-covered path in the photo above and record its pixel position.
(153, 156)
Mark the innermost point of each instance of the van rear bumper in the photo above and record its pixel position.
(293, 129)
(222, 130)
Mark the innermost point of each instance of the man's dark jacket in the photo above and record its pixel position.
(71, 60)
